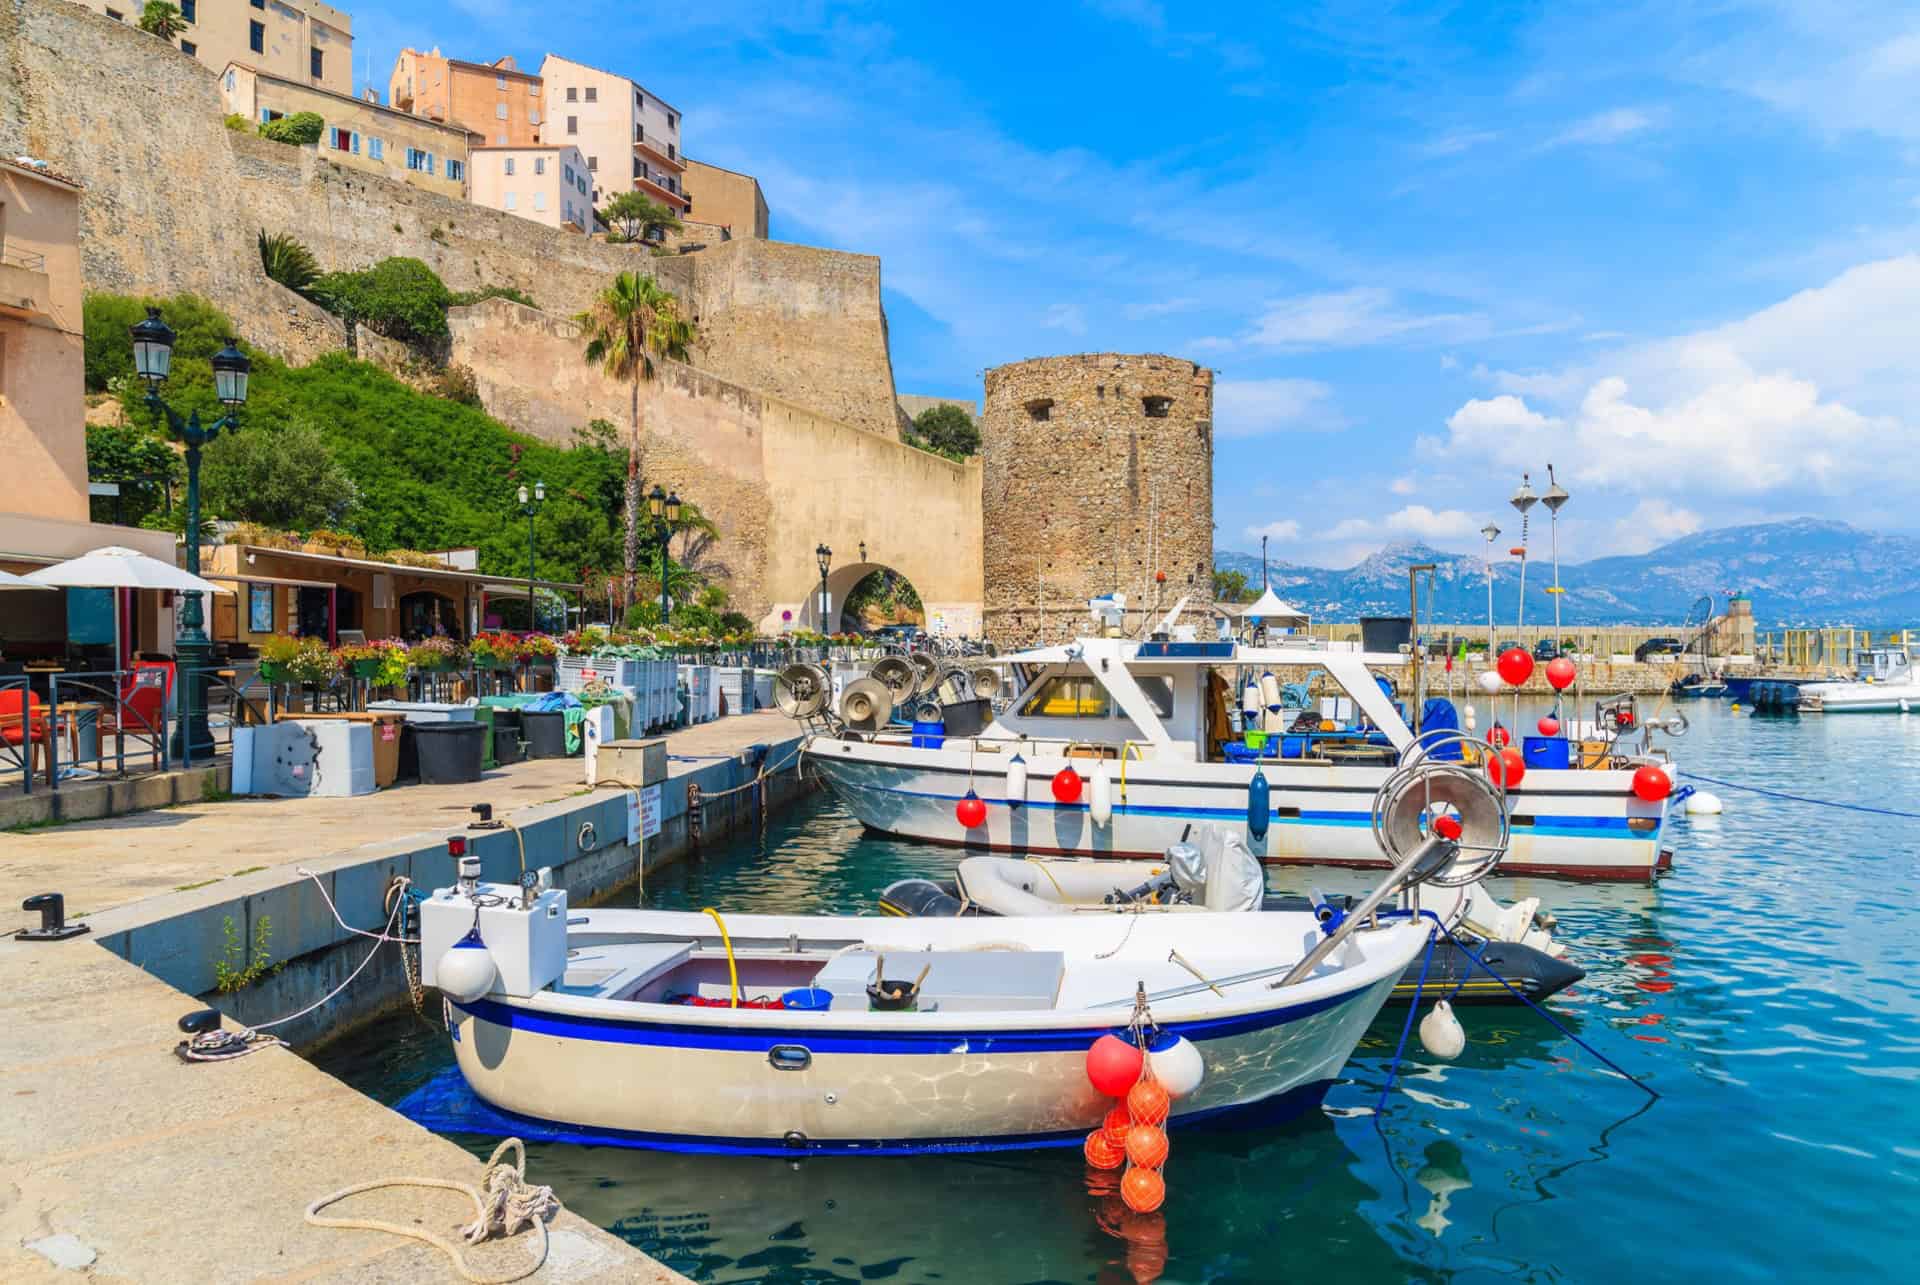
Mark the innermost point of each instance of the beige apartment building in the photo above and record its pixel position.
(297, 40)
(43, 431)
(630, 137)
(496, 100)
(549, 185)
(360, 134)
(727, 198)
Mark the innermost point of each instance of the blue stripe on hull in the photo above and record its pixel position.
(494, 1121)
(907, 1043)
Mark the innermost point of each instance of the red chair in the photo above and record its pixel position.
(28, 726)
(142, 711)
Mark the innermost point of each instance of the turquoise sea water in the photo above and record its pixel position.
(1766, 988)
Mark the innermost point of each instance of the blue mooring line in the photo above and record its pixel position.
(1802, 798)
(1406, 1026)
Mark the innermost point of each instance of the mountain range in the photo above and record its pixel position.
(1800, 572)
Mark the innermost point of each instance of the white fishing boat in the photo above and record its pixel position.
(1115, 748)
(777, 1034)
(1884, 682)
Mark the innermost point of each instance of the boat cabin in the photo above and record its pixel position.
(1882, 665)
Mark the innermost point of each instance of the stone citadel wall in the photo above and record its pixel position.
(1098, 476)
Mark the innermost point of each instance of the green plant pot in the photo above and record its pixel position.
(366, 668)
(431, 666)
(273, 672)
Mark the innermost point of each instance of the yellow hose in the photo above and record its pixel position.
(733, 972)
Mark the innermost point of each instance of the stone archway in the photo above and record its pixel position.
(842, 582)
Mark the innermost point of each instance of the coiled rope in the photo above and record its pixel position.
(1802, 798)
(503, 1205)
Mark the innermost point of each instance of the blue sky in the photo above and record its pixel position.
(1672, 248)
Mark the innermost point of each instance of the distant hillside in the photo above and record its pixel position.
(1801, 572)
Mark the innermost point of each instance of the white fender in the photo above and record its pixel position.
(1440, 1033)
(1490, 681)
(1250, 700)
(1100, 802)
(1016, 780)
(1178, 1066)
(1270, 691)
(1701, 803)
(466, 971)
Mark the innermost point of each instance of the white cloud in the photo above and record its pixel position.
(1423, 523)
(1604, 128)
(1807, 394)
(1253, 407)
(1402, 486)
(1653, 523)
(1067, 317)
(1209, 343)
(1353, 318)
(1165, 307)
(1286, 531)
(1457, 142)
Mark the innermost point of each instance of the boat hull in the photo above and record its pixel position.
(714, 1088)
(1859, 698)
(1566, 824)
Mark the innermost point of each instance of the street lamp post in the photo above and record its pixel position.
(824, 557)
(1523, 499)
(665, 508)
(529, 505)
(1555, 497)
(1492, 533)
(153, 362)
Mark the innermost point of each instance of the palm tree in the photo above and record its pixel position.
(287, 261)
(633, 323)
(700, 538)
(161, 19)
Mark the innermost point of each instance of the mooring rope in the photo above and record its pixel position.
(1393, 1069)
(1802, 798)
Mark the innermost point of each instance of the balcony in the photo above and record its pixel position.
(26, 292)
(675, 201)
(656, 151)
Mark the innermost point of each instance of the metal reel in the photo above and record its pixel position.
(866, 705)
(801, 690)
(986, 681)
(929, 672)
(898, 675)
(1423, 789)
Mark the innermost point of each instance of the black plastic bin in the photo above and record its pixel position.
(1385, 633)
(450, 753)
(507, 747)
(967, 718)
(544, 733)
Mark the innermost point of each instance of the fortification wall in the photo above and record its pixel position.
(776, 478)
(1098, 475)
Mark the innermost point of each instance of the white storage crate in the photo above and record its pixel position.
(736, 685)
(702, 695)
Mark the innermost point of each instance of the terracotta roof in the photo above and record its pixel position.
(50, 174)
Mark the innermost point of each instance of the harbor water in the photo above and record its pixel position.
(1765, 988)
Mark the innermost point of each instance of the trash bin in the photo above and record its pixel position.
(507, 746)
(449, 753)
(388, 736)
(483, 715)
(545, 733)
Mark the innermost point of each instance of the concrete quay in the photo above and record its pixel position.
(132, 1165)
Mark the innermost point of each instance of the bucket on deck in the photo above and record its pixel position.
(449, 753)
(929, 735)
(507, 747)
(545, 733)
(1549, 753)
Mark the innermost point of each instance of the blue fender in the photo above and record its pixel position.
(1258, 813)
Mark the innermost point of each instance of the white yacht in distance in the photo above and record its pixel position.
(1884, 682)
(1143, 727)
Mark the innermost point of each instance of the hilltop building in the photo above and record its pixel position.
(727, 198)
(301, 41)
(43, 433)
(549, 185)
(359, 134)
(496, 100)
(618, 125)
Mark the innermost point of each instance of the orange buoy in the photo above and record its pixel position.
(1147, 1101)
(1144, 1190)
(1116, 1126)
(1101, 1153)
(1147, 1145)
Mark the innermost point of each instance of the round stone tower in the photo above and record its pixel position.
(1097, 476)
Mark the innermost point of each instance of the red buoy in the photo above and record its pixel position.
(1651, 783)
(1548, 725)
(972, 811)
(1113, 1065)
(1516, 665)
(1447, 827)
(1506, 768)
(1066, 785)
(1560, 673)
(1499, 735)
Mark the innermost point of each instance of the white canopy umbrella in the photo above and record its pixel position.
(1270, 607)
(115, 567)
(10, 581)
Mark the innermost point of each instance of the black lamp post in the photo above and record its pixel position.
(529, 505)
(824, 556)
(153, 362)
(666, 511)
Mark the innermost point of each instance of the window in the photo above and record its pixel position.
(1156, 407)
(500, 82)
(582, 185)
(500, 139)
(636, 167)
(533, 88)
(116, 15)
(229, 81)
(376, 149)
(573, 95)
(673, 122)
(1159, 693)
(456, 169)
(540, 201)
(1067, 696)
(639, 133)
(428, 167)
(539, 165)
(189, 10)
(533, 115)
(508, 204)
(509, 167)
(1040, 408)
(573, 124)
(257, 37)
(593, 163)
(188, 48)
(671, 154)
(499, 111)
(593, 95)
(258, 4)
(345, 140)
(314, 63)
(639, 100)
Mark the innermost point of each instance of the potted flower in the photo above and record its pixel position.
(363, 660)
(494, 651)
(436, 655)
(313, 663)
(393, 663)
(538, 649)
(276, 653)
